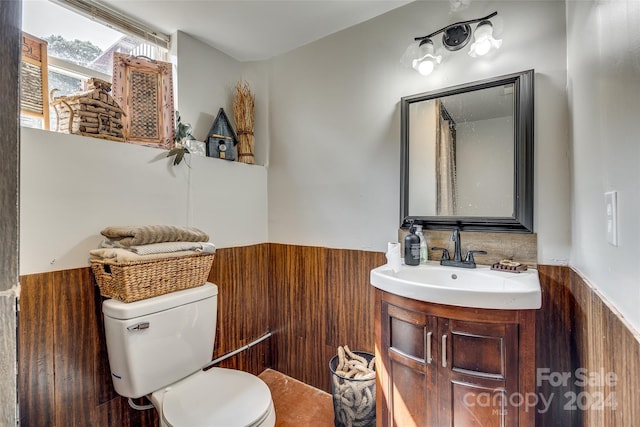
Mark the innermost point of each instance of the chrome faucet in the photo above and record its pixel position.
(457, 261)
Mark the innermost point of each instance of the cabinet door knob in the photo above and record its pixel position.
(444, 351)
(428, 344)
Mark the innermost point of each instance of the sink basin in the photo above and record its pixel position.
(479, 288)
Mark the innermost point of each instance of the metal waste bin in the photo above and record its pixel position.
(354, 399)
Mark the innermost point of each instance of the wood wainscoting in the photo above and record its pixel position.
(63, 371)
(581, 337)
(320, 298)
(312, 300)
(64, 377)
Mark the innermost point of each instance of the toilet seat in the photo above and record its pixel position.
(218, 397)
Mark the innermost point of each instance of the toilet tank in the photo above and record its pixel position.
(154, 342)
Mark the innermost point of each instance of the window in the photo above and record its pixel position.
(79, 47)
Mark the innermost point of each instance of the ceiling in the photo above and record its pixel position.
(254, 29)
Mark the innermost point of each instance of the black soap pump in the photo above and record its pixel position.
(412, 247)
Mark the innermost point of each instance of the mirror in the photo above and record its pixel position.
(467, 156)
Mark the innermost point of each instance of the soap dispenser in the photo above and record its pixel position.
(423, 244)
(412, 247)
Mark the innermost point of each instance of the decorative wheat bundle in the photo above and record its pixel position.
(243, 107)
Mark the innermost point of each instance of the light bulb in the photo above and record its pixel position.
(426, 67)
(482, 47)
(484, 40)
(426, 60)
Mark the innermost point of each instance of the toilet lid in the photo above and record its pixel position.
(217, 397)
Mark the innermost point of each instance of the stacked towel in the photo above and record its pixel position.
(124, 255)
(150, 242)
(143, 235)
(163, 247)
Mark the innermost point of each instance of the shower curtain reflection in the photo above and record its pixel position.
(445, 162)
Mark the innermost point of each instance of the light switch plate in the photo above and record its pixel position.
(611, 206)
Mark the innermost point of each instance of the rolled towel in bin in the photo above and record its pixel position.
(163, 247)
(122, 255)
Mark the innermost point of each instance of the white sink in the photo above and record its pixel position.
(480, 287)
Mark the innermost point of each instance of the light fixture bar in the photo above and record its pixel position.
(421, 54)
(461, 23)
(115, 20)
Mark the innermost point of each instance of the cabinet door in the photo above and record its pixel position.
(408, 356)
(478, 374)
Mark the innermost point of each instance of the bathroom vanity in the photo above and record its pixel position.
(455, 343)
(450, 365)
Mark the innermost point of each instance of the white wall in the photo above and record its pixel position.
(72, 187)
(335, 122)
(604, 95)
(207, 80)
(330, 114)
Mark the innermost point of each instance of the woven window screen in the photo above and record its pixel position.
(34, 99)
(144, 89)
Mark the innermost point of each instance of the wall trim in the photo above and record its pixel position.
(632, 330)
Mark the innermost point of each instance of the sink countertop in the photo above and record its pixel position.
(478, 288)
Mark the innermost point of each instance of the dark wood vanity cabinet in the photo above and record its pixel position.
(442, 365)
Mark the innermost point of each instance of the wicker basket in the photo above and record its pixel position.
(133, 281)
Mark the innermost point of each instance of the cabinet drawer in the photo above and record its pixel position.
(482, 349)
(409, 334)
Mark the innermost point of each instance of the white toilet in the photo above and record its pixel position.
(158, 346)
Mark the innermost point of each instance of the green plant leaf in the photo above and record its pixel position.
(179, 153)
(179, 157)
(174, 151)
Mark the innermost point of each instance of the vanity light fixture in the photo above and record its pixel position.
(420, 54)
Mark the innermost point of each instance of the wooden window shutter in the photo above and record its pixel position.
(144, 89)
(34, 81)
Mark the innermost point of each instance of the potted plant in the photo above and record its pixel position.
(183, 135)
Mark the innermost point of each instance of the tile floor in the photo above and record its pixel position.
(298, 404)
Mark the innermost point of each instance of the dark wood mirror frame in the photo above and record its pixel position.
(522, 219)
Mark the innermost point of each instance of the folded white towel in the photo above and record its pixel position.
(163, 247)
(123, 255)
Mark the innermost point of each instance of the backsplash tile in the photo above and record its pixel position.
(521, 247)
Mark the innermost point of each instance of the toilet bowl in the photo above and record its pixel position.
(216, 397)
(157, 347)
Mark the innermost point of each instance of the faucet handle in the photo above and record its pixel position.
(445, 252)
(469, 258)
